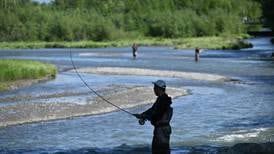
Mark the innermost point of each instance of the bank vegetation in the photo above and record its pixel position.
(111, 21)
(17, 73)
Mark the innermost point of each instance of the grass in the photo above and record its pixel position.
(14, 70)
(213, 42)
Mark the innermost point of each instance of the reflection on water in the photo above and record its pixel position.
(215, 114)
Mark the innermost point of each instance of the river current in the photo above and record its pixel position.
(214, 114)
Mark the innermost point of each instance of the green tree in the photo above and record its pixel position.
(65, 20)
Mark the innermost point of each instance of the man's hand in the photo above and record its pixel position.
(141, 118)
(138, 116)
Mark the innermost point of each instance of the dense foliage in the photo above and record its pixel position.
(268, 12)
(97, 20)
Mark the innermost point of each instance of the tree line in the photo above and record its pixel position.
(268, 12)
(73, 20)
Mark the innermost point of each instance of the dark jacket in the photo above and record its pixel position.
(161, 112)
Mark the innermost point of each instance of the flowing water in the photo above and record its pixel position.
(215, 114)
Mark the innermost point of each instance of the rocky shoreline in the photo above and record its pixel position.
(13, 85)
(150, 72)
(249, 148)
(27, 112)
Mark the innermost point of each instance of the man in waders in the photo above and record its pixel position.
(159, 115)
(197, 54)
(134, 50)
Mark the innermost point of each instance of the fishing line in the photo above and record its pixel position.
(93, 91)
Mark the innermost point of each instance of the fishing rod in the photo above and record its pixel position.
(97, 94)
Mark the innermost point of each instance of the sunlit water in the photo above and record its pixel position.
(215, 114)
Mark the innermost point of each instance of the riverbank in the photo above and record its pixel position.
(117, 94)
(213, 42)
(249, 148)
(19, 73)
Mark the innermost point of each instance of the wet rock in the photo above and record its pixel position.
(249, 148)
(242, 44)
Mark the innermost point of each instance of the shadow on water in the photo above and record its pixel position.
(125, 149)
(122, 149)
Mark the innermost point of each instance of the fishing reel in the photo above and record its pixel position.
(142, 121)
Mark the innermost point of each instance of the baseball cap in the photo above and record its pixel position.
(160, 83)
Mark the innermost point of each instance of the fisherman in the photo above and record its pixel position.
(197, 54)
(134, 50)
(159, 115)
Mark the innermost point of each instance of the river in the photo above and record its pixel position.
(213, 115)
